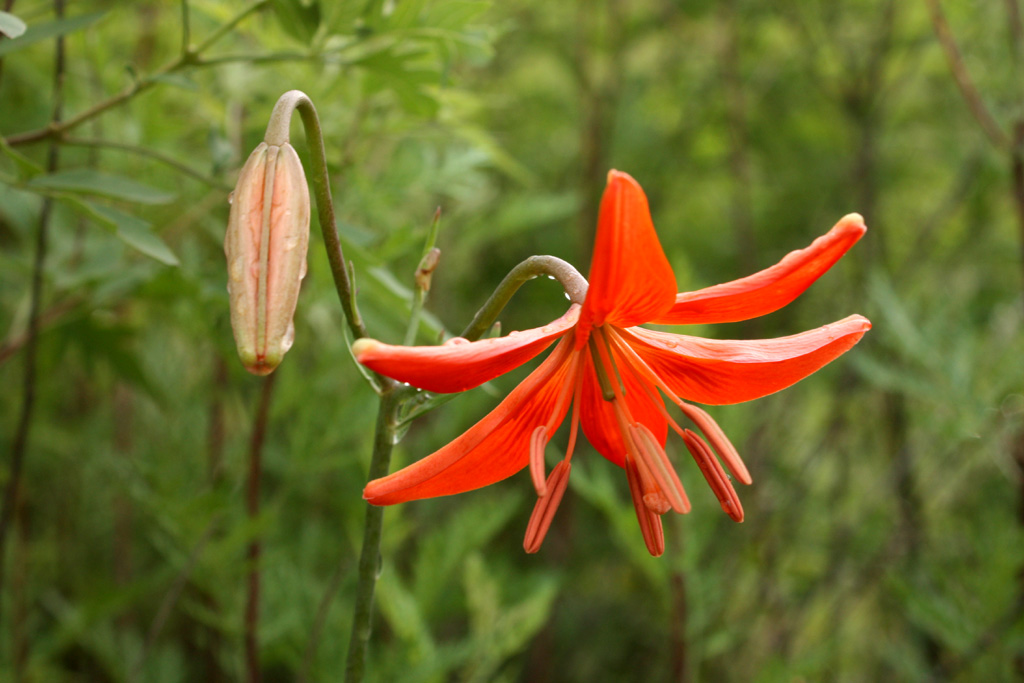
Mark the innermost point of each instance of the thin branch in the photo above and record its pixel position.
(20, 442)
(252, 600)
(186, 29)
(171, 597)
(263, 58)
(8, 5)
(963, 79)
(321, 617)
(14, 342)
(1016, 28)
(152, 154)
(58, 129)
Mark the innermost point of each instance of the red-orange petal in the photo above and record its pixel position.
(598, 415)
(719, 372)
(770, 289)
(458, 365)
(493, 449)
(631, 281)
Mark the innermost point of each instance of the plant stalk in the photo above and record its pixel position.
(19, 443)
(572, 282)
(369, 557)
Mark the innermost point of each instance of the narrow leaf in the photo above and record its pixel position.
(84, 181)
(132, 230)
(50, 29)
(136, 233)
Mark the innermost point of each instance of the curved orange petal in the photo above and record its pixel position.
(631, 281)
(598, 415)
(718, 372)
(770, 289)
(493, 449)
(458, 365)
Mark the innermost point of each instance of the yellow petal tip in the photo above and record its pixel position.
(363, 346)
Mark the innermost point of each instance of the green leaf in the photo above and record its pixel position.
(299, 19)
(10, 25)
(136, 233)
(50, 29)
(26, 167)
(85, 181)
(455, 15)
(131, 230)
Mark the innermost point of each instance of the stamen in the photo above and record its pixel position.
(574, 421)
(714, 474)
(607, 391)
(538, 441)
(639, 364)
(651, 394)
(657, 502)
(719, 440)
(608, 350)
(654, 457)
(650, 523)
(546, 506)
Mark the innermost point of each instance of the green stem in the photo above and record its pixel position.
(277, 134)
(572, 282)
(419, 295)
(186, 29)
(369, 557)
(424, 274)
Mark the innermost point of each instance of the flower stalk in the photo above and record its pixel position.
(277, 133)
(572, 282)
(369, 558)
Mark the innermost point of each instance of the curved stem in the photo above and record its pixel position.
(369, 557)
(572, 282)
(277, 134)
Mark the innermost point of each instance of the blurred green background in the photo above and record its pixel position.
(883, 533)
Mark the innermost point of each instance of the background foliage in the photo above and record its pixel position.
(883, 537)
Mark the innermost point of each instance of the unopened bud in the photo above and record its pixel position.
(265, 245)
(425, 271)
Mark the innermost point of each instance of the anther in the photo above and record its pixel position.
(546, 506)
(538, 442)
(718, 440)
(607, 391)
(656, 461)
(714, 474)
(650, 522)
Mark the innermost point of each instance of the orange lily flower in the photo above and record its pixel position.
(615, 376)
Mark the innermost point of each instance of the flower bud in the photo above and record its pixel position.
(265, 245)
(425, 271)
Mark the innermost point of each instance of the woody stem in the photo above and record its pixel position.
(572, 282)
